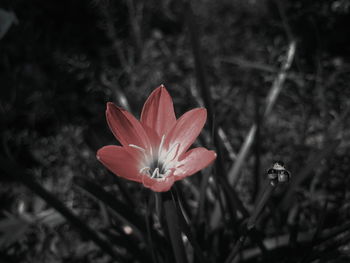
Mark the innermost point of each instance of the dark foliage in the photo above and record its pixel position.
(61, 61)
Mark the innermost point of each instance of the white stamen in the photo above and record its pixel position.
(164, 158)
(144, 169)
(171, 154)
(167, 173)
(155, 173)
(137, 147)
(172, 148)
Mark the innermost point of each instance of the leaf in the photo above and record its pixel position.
(186, 229)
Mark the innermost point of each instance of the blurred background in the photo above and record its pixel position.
(282, 66)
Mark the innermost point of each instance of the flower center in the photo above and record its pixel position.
(157, 164)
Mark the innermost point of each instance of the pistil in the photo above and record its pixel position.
(157, 167)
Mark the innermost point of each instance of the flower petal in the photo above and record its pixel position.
(153, 137)
(158, 111)
(158, 185)
(186, 129)
(121, 161)
(125, 127)
(194, 161)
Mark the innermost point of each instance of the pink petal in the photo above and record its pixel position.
(194, 161)
(158, 185)
(158, 111)
(153, 137)
(125, 127)
(121, 161)
(186, 129)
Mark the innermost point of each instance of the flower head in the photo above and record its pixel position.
(154, 149)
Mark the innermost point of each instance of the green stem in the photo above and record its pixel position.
(261, 204)
(173, 226)
(250, 226)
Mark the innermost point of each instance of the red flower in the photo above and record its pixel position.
(154, 150)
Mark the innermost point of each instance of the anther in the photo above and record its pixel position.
(155, 173)
(161, 144)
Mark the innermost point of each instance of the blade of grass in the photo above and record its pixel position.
(294, 223)
(227, 144)
(202, 197)
(198, 60)
(186, 227)
(250, 225)
(331, 247)
(148, 219)
(262, 200)
(303, 238)
(233, 198)
(315, 158)
(227, 204)
(206, 95)
(173, 227)
(240, 242)
(123, 189)
(233, 223)
(229, 193)
(20, 175)
(275, 90)
(319, 226)
(273, 244)
(331, 233)
(236, 249)
(180, 201)
(257, 117)
(249, 64)
(124, 213)
(312, 162)
(222, 202)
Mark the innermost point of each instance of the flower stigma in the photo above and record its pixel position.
(157, 164)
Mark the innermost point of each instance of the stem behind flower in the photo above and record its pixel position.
(173, 227)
